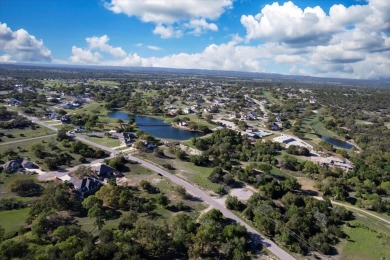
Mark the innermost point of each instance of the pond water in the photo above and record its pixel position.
(337, 142)
(156, 127)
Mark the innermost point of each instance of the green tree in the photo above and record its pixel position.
(38, 150)
(162, 200)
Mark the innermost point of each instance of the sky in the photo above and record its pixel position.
(325, 38)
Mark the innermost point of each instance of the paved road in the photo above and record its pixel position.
(29, 139)
(37, 121)
(270, 245)
(255, 235)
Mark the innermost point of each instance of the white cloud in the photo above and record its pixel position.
(22, 46)
(227, 56)
(288, 23)
(100, 43)
(154, 48)
(165, 13)
(93, 53)
(80, 55)
(348, 42)
(6, 58)
(198, 26)
(167, 31)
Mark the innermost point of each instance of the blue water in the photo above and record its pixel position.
(337, 142)
(156, 127)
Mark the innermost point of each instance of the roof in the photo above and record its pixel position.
(103, 169)
(21, 162)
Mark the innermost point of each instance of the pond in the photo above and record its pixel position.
(337, 142)
(156, 127)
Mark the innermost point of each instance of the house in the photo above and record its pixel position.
(14, 102)
(18, 164)
(278, 118)
(104, 171)
(65, 119)
(187, 110)
(195, 107)
(78, 129)
(252, 116)
(85, 186)
(313, 100)
(275, 126)
(129, 138)
(332, 161)
(171, 113)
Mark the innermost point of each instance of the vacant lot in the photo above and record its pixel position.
(106, 141)
(16, 134)
(195, 174)
(364, 243)
(12, 220)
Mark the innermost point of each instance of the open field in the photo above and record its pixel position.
(364, 243)
(26, 133)
(106, 141)
(93, 108)
(11, 220)
(6, 179)
(270, 98)
(103, 82)
(195, 174)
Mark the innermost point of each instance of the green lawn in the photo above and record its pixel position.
(106, 141)
(11, 220)
(103, 82)
(371, 222)
(315, 128)
(270, 98)
(93, 108)
(364, 244)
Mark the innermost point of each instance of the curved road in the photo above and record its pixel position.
(255, 235)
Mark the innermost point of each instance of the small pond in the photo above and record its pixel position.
(337, 142)
(156, 127)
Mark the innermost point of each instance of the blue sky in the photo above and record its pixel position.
(320, 38)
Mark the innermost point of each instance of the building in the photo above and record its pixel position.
(332, 161)
(19, 164)
(85, 186)
(104, 171)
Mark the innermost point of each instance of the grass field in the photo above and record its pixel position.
(371, 222)
(11, 220)
(270, 98)
(364, 243)
(195, 174)
(314, 128)
(106, 141)
(93, 108)
(26, 133)
(103, 82)
(6, 179)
